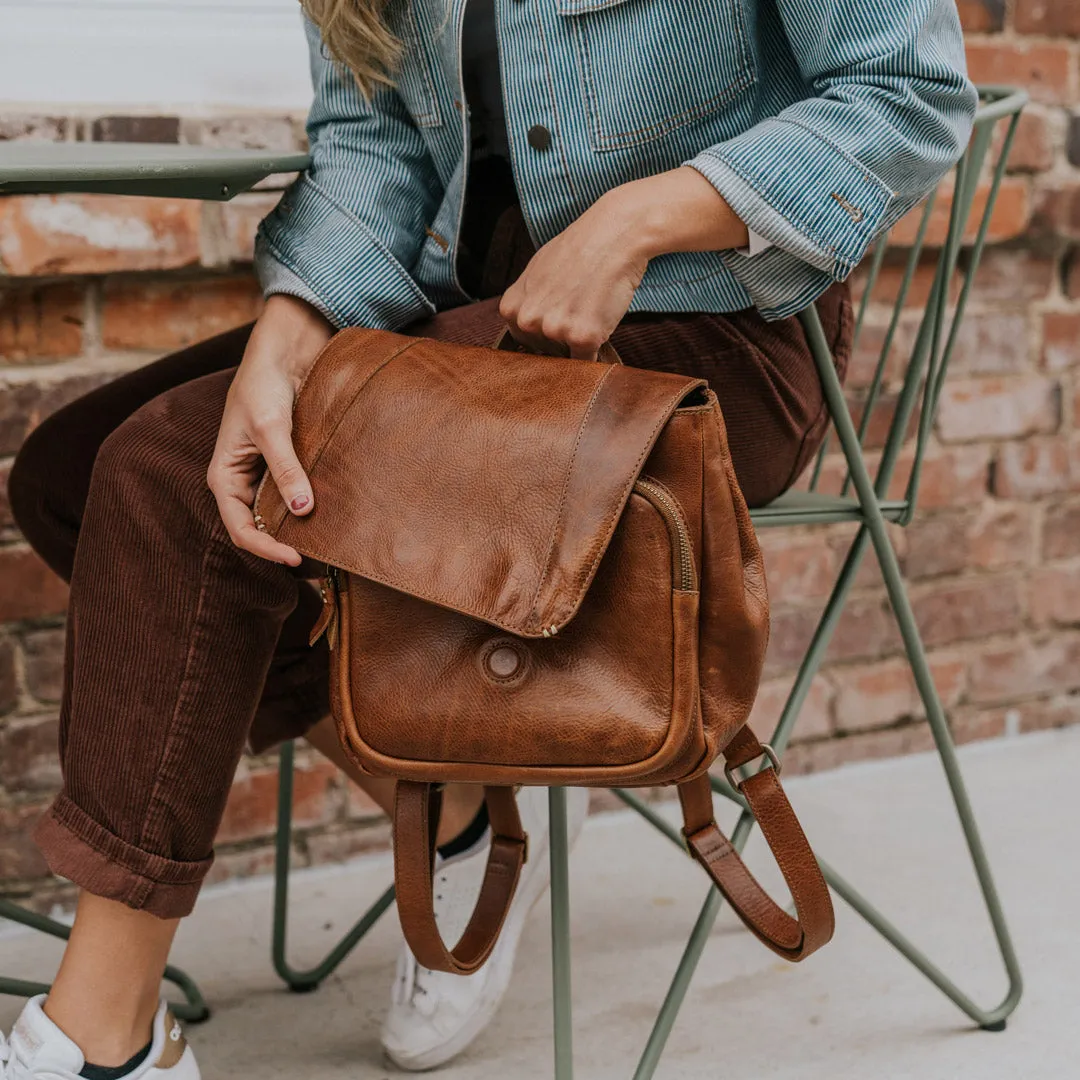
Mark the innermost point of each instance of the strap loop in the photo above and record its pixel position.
(416, 818)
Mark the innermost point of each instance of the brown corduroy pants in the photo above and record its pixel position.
(182, 649)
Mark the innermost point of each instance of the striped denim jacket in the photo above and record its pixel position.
(820, 121)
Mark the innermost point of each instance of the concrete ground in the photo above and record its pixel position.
(856, 1011)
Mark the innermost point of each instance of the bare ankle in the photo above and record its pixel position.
(460, 805)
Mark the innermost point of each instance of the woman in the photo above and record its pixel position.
(679, 178)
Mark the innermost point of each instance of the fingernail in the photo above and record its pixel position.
(300, 502)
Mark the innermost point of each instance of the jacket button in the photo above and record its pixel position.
(539, 137)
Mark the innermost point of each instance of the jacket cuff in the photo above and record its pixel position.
(828, 220)
(311, 247)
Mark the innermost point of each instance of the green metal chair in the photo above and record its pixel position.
(869, 507)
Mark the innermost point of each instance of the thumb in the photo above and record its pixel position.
(287, 472)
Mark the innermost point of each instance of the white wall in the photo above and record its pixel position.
(144, 54)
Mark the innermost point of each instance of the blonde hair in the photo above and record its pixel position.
(356, 36)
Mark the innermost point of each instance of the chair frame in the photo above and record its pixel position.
(870, 508)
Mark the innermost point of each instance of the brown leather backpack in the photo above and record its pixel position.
(540, 571)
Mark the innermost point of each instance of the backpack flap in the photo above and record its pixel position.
(486, 482)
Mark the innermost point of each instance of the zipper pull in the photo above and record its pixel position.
(328, 618)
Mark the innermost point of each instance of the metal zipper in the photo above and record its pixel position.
(669, 509)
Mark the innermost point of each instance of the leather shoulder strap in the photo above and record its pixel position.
(416, 816)
(792, 938)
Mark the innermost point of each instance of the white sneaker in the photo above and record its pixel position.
(39, 1050)
(433, 1015)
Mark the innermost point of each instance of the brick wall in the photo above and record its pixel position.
(93, 286)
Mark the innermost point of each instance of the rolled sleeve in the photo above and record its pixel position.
(892, 114)
(315, 249)
(345, 236)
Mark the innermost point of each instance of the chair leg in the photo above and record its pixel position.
(560, 935)
(303, 981)
(990, 1019)
(192, 1010)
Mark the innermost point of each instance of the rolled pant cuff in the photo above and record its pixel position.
(80, 849)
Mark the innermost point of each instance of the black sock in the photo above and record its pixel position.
(116, 1072)
(464, 839)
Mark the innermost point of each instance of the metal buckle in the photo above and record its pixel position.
(766, 751)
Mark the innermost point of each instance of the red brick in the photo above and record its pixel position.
(251, 811)
(1012, 277)
(43, 663)
(1061, 340)
(28, 588)
(1051, 17)
(866, 629)
(969, 726)
(999, 407)
(41, 322)
(954, 476)
(798, 567)
(239, 221)
(1043, 714)
(1000, 536)
(20, 859)
(29, 758)
(1057, 211)
(33, 128)
(252, 132)
(890, 280)
(982, 16)
(171, 314)
(1035, 146)
(867, 353)
(812, 757)
(1043, 69)
(360, 805)
(936, 545)
(962, 610)
(136, 129)
(1054, 596)
(1034, 468)
(815, 716)
(994, 343)
(9, 686)
(885, 693)
(1061, 532)
(1010, 218)
(1023, 669)
(338, 845)
(96, 234)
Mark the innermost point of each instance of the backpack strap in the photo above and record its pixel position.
(416, 819)
(791, 938)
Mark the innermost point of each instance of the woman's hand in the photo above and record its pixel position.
(577, 288)
(256, 428)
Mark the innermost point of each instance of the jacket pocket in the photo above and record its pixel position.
(415, 77)
(648, 67)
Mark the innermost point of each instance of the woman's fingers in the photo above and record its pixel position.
(274, 440)
(236, 514)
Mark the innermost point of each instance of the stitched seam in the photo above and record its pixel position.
(156, 803)
(554, 102)
(565, 489)
(432, 117)
(616, 512)
(337, 423)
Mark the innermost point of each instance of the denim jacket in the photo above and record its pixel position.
(821, 122)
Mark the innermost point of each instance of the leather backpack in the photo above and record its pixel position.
(539, 571)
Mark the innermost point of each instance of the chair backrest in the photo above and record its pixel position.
(972, 190)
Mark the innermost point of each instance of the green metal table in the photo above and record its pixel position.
(184, 172)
